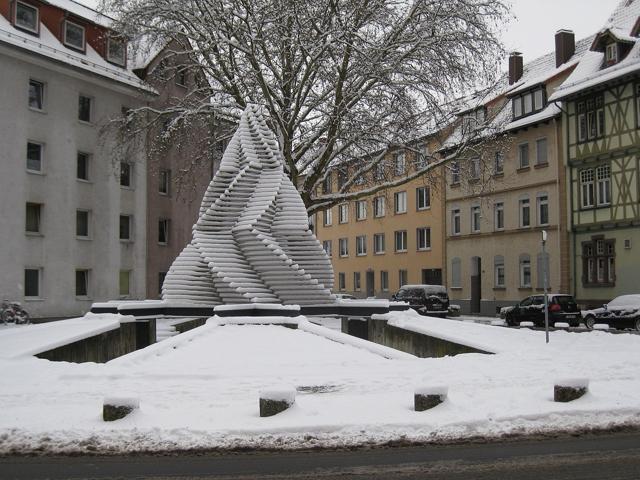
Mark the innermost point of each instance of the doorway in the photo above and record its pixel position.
(476, 284)
(370, 283)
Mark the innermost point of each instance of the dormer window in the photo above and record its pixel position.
(74, 36)
(611, 53)
(528, 103)
(473, 119)
(116, 51)
(27, 17)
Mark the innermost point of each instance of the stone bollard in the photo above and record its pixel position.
(274, 401)
(115, 408)
(498, 323)
(561, 325)
(526, 324)
(425, 398)
(569, 389)
(601, 326)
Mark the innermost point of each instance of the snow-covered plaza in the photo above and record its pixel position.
(200, 389)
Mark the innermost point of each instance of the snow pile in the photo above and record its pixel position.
(199, 390)
(573, 382)
(283, 393)
(440, 390)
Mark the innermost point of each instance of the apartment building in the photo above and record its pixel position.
(508, 187)
(72, 194)
(601, 100)
(395, 237)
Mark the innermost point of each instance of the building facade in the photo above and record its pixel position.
(504, 191)
(72, 197)
(392, 238)
(602, 141)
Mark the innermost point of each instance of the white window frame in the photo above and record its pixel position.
(498, 163)
(498, 216)
(40, 88)
(524, 204)
(84, 35)
(542, 159)
(525, 266)
(423, 198)
(36, 28)
(343, 213)
(342, 281)
(361, 210)
(327, 217)
(455, 172)
(603, 180)
(110, 58)
(378, 243)
(403, 277)
(379, 207)
(423, 239)
(542, 200)
(456, 223)
(399, 163)
(357, 282)
(384, 280)
(587, 188)
(498, 271)
(475, 219)
(343, 247)
(361, 245)
(400, 202)
(523, 147)
(612, 52)
(327, 247)
(400, 241)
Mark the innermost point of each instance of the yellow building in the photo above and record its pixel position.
(392, 238)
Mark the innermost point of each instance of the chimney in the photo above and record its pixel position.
(515, 67)
(565, 46)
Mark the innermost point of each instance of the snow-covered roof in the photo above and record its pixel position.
(47, 45)
(83, 11)
(590, 72)
(143, 51)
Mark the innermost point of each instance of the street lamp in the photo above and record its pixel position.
(544, 277)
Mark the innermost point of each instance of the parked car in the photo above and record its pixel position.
(425, 299)
(562, 308)
(621, 312)
(344, 296)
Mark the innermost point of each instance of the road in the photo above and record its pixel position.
(610, 456)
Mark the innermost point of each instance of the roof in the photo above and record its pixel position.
(589, 72)
(48, 46)
(82, 11)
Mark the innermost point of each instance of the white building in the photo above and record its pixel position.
(72, 201)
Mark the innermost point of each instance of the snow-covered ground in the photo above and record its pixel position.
(199, 390)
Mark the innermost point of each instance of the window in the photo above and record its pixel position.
(125, 174)
(342, 281)
(475, 169)
(591, 120)
(36, 95)
(73, 35)
(523, 155)
(541, 151)
(361, 210)
(343, 175)
(343, 247)
(498, 216)
(378, 243)
(32, 283)
(34, 157)
(326, 245)
(528, 103)
(384, 281)
(475, 218)
(423, 236)
(84, 108)
(327, 185)
(525, 212)
(125, 227)
(498, 271)
(525, 271)
(164, 185)
(402, 278)
(516, 105)
(455, 221)
(356, 281)
(538, 99)
(587, 191)
(116, 51)
(401, 240)
(543, 270)
(32, 224)
(379, 170)
(399, 163)
(379, 207)
(161, 277)
(422, 156)
(82, 166)
(361, 245)
(27, 17)
(455, 173)
(598, 262)
(343, 213)
(82, 223)
(543, 209)
(163, 231)
(423, 200)
(611, 54)
(327, 217)
(82, 283)
(498, 164)
(181, 77)
(400, 202)
(124, 283)
(603, 177)
(456, 273)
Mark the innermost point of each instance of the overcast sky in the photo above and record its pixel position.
(532, 31)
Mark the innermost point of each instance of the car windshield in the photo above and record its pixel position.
(625, 300)
(410, 292)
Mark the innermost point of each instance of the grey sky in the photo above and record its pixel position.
(533, 30)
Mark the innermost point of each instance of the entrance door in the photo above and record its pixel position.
(371, 288)
(432, 276)
(476, 284)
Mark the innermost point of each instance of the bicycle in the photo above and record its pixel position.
(12, 312)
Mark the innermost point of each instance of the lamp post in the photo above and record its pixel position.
(544, 279)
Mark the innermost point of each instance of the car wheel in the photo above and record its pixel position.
(510, 321)
(589, 322)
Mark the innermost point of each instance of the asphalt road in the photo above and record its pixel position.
(610, 457)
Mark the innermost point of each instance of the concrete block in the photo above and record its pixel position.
(425, 398)
(116, 408)
(276, 400)
(570, 389)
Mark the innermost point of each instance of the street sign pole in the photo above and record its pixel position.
(544, 276)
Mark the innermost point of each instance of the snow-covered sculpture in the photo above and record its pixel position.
(251, 243)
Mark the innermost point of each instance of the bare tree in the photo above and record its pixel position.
(342, 80)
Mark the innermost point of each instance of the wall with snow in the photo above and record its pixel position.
(252, 242)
